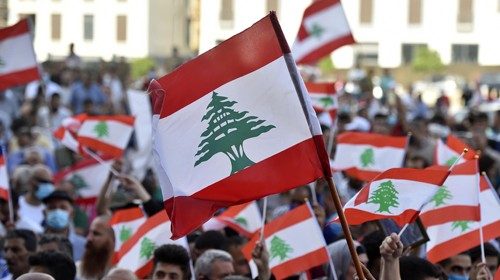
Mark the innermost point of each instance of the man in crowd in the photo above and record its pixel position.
(57, 243)
(213, 264)
(457, 267)
(56, 264)
(171, 262)
(19, 245)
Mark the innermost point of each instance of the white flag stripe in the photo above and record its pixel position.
(70, 142)
(331, 32)
(384, 158)
(4, 177)
(166, 186)
(252, 216)
(294, 237)
(445, 153)
(261, 93)
(11, 48)
(459, 187)
(118, 132)
(94, 175)
(133, 225)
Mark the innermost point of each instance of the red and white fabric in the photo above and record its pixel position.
(4, 176)
(447, 152)
(125, 223)
(67, 132)
(324, 100)
(244, 218)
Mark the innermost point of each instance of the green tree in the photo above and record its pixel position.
(140, 67)
(316, 30)
(78, 182)
(280, 249)
(326, 65)
(460, 225)
(385, 196)
(125, 233)
(147, 248)
(441, 195)
(101, 129)
(241, 221)
(451, 161)
(367, 157)
(427, 60)
(326, 101)
(227, 130)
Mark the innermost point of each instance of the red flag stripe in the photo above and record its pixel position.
(4, 193)
(2, 160)
(442, 215)
(434, 177)
(234, 210)
(483, 184)
(79, 165)
(204, 203)
(236, 227)
(318, 6)
(376, 140)
(126, 215)
(144, 271)
(101, 146)
(466, 168)
(302, 263)
(362, 175)
(318, 53)
(326, 88)
(128, 120)
(257, 53)
(458, 146)
(18, 78)
(17, 29)
(356, 216)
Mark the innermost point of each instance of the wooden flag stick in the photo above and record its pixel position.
(9, 201)
(345, 228)
(264, 213)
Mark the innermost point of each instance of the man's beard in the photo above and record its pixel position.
(95, 261)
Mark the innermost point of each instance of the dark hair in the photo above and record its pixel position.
(477, 117)
(413, 268)
(173, 254)
(27, 235)
(236, 240)
(372, 245)
(211, 240)
(489, 251)
(63, 244)
(58, 265)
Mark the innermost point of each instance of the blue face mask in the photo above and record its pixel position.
(457, 277)
(57, 219)
(44, 189)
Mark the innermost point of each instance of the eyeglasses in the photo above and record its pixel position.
(460, 269)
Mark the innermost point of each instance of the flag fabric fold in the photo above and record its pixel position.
(366, 155)
(4, 176)
(447, 153)
(284, 239)
(231, 120)
(397, 193)
(244, 218)
(324, 28)
(17, 57)
(125, 223)
(457, 199)
(67, 133)
(324, 99)
(452, 238)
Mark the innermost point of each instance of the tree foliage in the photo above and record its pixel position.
(427, 60)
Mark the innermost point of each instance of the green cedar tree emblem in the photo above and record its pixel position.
(326, 101)
(385, 196)
(125, 233)
(316, 30)
(441, 195)
(460, 225)
(451, 161)
(101, 129)
(147, 248)
(241, 221)
(367, 157)
(280, 249)
(227, 130)
(78, 181)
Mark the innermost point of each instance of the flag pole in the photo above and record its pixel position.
(481, 236)
(345, 228)
(264, 213)
(100, 160)
(458, 159)
(312, 186)
(403, 229)
(9, 201)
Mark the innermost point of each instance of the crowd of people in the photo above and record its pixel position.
(51, 236)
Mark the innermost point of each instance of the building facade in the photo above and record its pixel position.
(106, 28)
(388, 32)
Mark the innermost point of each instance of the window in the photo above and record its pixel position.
(366, 54)
(88, 27)
(272, 5)
(226, 15)
(366, 11)
(464, 53)
(408, 51)
(465, 11)
(55, 27)
(415, 12)
(121, 28)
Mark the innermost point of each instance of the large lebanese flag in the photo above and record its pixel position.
(4, 176)
(107, 134)
(457, 199)
(447, 153)
(324, 99)
(17, 58)
(88, 176)
(366, 155)
(324, 28)
(452, 238)
(284, 239)
(244, 218)
(397, 193)
(236, 125)
(66, 133)
(136, 254)
(125, 223)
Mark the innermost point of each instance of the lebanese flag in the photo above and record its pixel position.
(107, 134)
(136, 254)
(17, 57)
(125, 223)
(66, 133)
(457, 199)
(244, 218)
(231, 121)
(324, 99)
(447, 153)
(451, 238)
(88, 176)
(4, 177)
(497, 274)
(324, 28)
(284, 239)
(366, 155)
(397, 193)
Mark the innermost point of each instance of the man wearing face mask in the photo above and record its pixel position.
(457, 267)
(59, 213)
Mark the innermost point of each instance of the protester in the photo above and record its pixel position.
(57, 243)
(213, 264)
(171, 262)
(19, 245)
(120, 274)
(457, 267)
(341, 258)
(56, 264)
